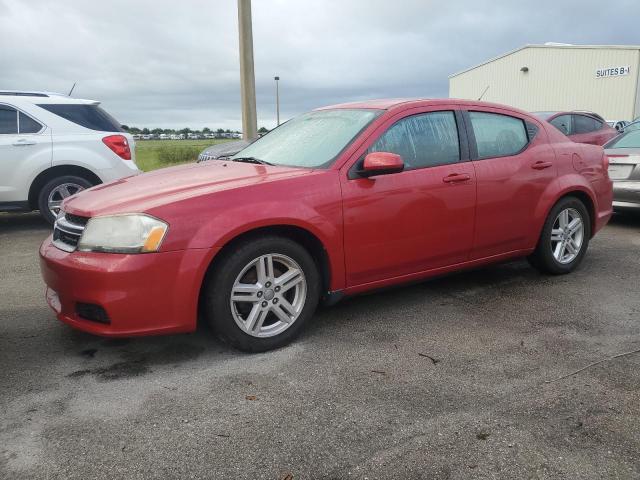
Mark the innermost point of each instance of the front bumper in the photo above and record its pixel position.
(141, 294)
(626, 195)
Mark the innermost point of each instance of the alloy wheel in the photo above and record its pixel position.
(268, 295)
(58, 194)
(567, 235)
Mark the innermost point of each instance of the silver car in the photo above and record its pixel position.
(624, 169)
(618, 124)
(222, 151)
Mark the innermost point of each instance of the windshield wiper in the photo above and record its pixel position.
(251, 160)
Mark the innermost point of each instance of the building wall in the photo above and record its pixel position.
(559, 78)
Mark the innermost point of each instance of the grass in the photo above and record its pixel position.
(154, 154)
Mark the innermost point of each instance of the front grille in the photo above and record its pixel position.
(67, 231)
(77, 219)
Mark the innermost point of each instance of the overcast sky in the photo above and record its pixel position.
(174, 64)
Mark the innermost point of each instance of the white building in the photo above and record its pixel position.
(554, 77)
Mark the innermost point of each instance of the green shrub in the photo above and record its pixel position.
(177, 154)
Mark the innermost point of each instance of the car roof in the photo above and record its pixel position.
(29, 93)
(378, 104)
(392, 103)
(548, 115)
(545, 115)
(589, 113)
(41, 97)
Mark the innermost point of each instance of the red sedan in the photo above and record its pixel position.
(338, 201)
(581, 127)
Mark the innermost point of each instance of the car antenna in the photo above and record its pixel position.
(74, 86)
(485, 91)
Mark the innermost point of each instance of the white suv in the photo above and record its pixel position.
(52, 146)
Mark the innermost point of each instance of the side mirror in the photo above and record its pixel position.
(381, 163)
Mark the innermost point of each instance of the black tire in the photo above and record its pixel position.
(542, 258)
(51, 185)
(216, 303)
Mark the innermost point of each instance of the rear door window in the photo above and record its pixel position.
(89, 116)
(423, 140)
(498, 135)
(562, 123)
(8, 120)
(584, 124)
(28, 124)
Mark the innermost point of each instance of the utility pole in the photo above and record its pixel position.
(277, 101)
(247, 76)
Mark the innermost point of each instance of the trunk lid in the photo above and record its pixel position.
(622, 162)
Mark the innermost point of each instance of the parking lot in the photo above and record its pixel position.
(458, 377)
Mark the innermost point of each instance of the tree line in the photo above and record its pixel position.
(184, 131)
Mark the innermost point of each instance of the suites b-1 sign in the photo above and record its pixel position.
(612, 72)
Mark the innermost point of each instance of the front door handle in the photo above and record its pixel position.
(456, 178)
(540, 165)
(23, 142)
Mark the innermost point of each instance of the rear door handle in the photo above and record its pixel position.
(23, 142)
(541, 165)
(456, 178)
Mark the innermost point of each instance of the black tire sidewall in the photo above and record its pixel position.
(543, 257)
(43, 196)
(217, 308)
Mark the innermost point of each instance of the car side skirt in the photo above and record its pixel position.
(15, 206)
(418, 276)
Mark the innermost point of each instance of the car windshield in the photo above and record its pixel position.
(626, 140)
(312, 140)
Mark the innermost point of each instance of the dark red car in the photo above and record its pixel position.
(581, 127)
(335, 202)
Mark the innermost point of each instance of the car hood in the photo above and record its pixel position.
(143, 193)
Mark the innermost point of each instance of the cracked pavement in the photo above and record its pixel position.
(442, 379)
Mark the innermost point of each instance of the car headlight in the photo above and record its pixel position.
(129, 233)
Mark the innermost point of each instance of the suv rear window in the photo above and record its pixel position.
(89, 116)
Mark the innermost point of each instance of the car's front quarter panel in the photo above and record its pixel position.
(311, 202)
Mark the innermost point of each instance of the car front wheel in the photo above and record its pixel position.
(262, 293)
(564, 238)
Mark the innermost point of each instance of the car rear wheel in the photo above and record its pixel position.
(564, 238)
(55, 191)
(262, 293)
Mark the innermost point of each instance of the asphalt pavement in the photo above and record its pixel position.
(457, 377)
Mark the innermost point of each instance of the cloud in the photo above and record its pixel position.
(175, 64)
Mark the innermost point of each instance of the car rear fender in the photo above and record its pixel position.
(573, 183)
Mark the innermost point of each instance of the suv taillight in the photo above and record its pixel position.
(119, 144)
